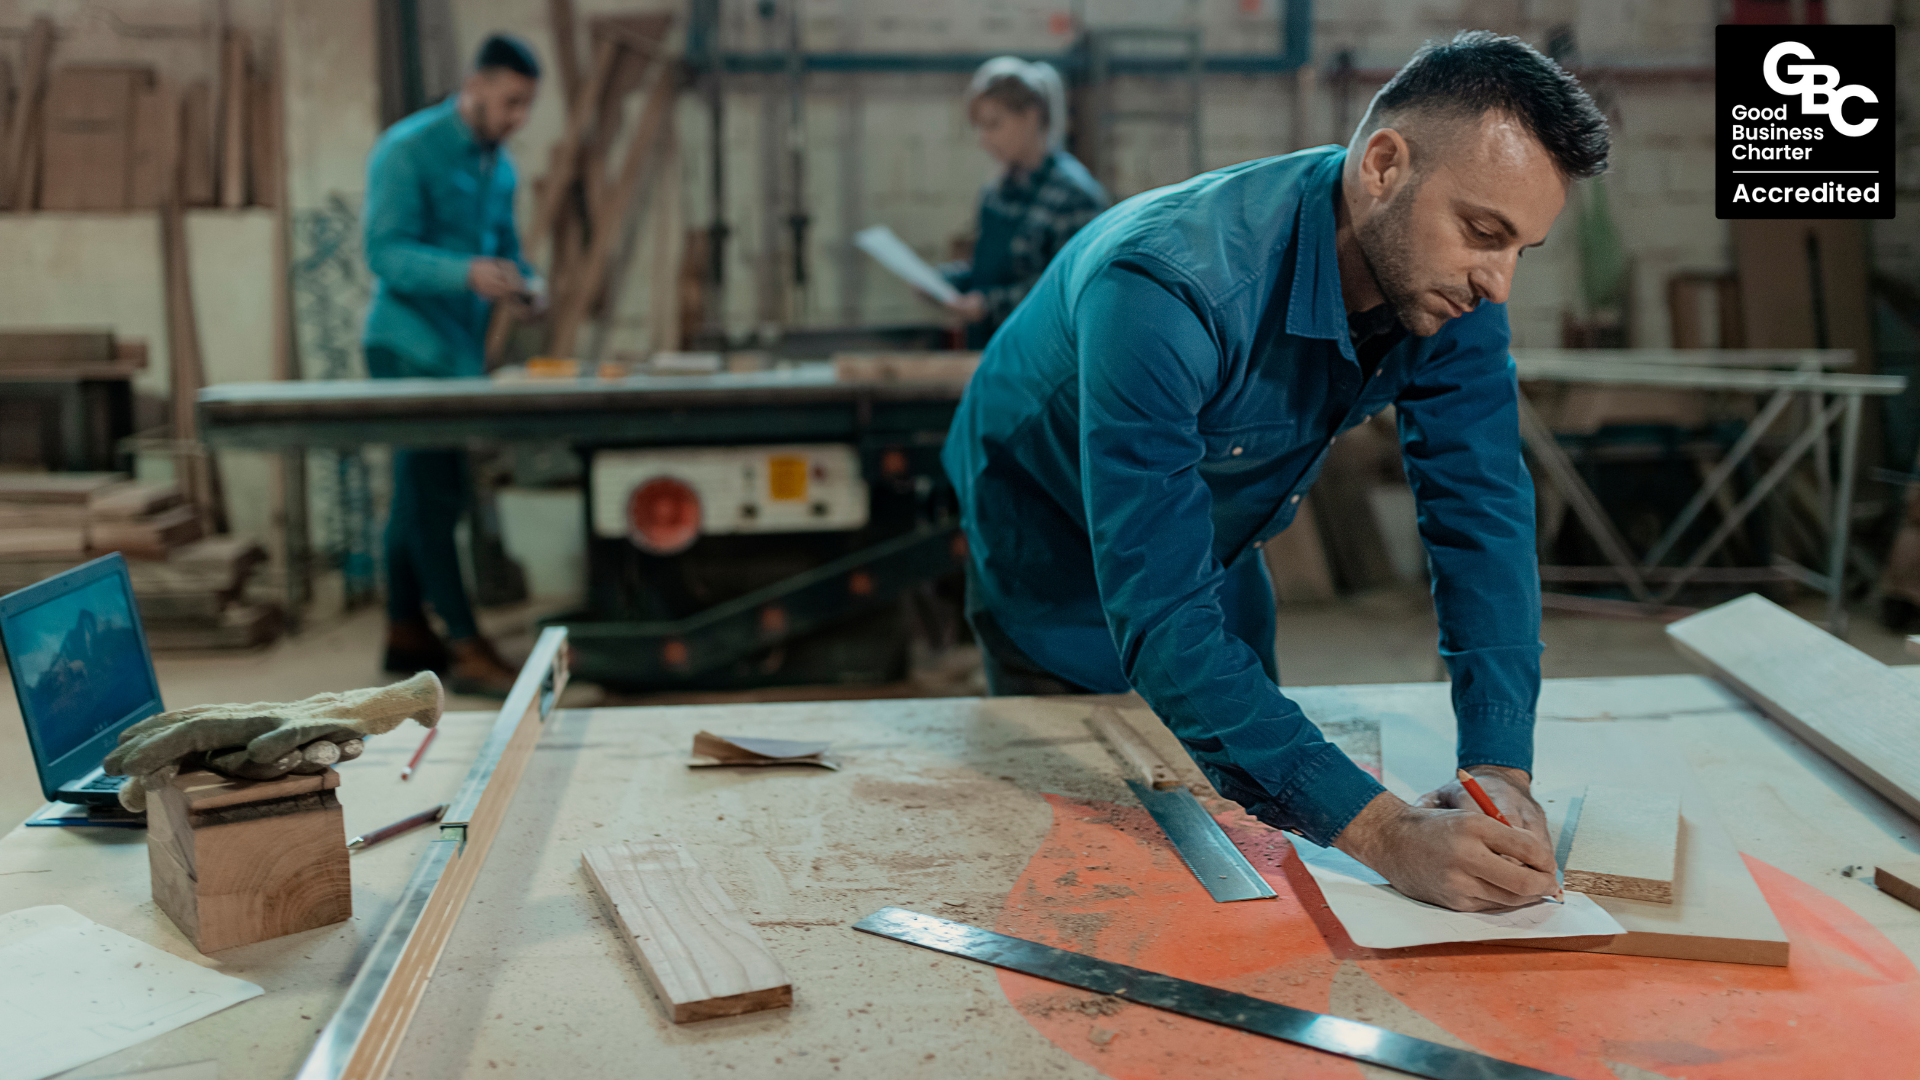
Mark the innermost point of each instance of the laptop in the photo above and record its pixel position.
(78, 656)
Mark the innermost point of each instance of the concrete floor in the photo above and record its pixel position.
(1382, 637)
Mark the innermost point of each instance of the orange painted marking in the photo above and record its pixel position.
(1107, 883)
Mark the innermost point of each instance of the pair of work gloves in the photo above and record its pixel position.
(266, 740)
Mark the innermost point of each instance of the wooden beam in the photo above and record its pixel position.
(1624, 844)
(564, 160)
(1147, 766)
(566, 45)
(234, 119)
(1848, 705)
(23, 158)
(702, 956)
(572, 303)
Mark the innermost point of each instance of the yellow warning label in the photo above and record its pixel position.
(786, 478)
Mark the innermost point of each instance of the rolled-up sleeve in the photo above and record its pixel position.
(395, 230)
(1149, 361)
(1459, 435)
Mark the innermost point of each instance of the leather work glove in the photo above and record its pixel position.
(265, 739)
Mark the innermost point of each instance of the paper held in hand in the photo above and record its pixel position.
(894, 254)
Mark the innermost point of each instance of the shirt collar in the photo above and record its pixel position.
(457, 124)
(1315, 307)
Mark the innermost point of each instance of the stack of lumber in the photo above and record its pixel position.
(90, 136)
(581, 213)
(191, 590)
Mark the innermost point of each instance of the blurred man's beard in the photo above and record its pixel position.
(1386, 245)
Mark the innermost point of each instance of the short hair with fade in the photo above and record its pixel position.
(1478, 72)
(504, 51)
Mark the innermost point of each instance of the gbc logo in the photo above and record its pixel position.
(1818, 87)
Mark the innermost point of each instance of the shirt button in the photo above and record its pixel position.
(1237, 451)
(1295, 499)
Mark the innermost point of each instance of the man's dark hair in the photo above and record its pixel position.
(1480, 72)
(509, 52)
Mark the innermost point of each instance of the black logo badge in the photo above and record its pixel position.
(1805, 121)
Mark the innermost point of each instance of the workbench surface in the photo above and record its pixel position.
(1006, 813)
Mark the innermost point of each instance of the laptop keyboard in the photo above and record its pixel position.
(103, 782)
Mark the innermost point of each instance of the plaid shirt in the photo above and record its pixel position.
(1051, 203)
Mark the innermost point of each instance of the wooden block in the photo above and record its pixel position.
(150, 537)
(196, 146)
(87, 152)
(1147, 766)
(235, 862)
(1900, 882)
(134, 499)
(701, 954)
(1848, 705)
(1624, 844)
(42, 516)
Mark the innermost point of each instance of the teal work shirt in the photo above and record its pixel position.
(436, 200)
(1155, 410)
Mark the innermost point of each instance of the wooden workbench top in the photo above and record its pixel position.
(1007, 813)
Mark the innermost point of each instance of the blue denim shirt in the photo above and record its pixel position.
(1156, 409)
(436, 200)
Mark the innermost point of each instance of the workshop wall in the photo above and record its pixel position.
(896, 148)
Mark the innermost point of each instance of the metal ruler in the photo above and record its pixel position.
(1203, 845)
(1223, 871)
(1317, 1031)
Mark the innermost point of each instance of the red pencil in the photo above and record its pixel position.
(1480, 797)
(420, 753)
(1486, 807)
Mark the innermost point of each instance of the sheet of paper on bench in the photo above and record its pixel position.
(894, 254)
(1377, 916)
(75, 991)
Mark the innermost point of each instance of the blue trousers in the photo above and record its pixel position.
(429, 495)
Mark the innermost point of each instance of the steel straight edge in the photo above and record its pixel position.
(1705, 378)
(360, 1040)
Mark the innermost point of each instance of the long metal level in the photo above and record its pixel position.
(1317, 1031)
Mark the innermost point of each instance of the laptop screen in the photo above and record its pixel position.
(79, 660)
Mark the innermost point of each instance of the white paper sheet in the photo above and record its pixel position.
(72, 991)
(1377, 916)
(894, 254)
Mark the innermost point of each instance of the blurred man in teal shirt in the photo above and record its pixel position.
(440, 239)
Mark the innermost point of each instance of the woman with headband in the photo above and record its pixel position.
(1034, 207)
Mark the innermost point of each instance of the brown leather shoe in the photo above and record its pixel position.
(476, 669)
(412, 646)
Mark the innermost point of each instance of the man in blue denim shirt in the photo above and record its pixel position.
(1157, 407)
(439, 238)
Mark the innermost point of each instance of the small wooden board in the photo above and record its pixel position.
(700, 953)
(1901, 882)
(1624, 844)
(1850, 706)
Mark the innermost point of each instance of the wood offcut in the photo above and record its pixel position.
(1851, 707)
(236, 861)
(1625, 844)
(1902, 882)
(700, 953)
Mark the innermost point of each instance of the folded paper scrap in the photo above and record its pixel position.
(75, 991)
(710, 750)
(1378, 916)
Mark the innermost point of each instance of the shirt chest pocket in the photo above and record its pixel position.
(1242, 449)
